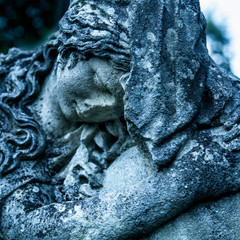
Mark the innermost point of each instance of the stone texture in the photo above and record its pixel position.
(120, 127)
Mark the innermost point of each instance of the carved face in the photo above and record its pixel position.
(89, 91)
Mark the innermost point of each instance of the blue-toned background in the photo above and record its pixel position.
(26, 23)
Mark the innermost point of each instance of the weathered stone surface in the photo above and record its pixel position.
(211, 220)
(120, 127)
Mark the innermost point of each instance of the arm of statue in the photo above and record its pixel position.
(139, 209)
(110, 216)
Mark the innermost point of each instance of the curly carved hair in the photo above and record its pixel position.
(21, 137)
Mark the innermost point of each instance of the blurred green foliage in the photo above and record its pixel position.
(218, 43)
(26, 23)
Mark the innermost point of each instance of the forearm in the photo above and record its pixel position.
(109, 216)
(119, 215)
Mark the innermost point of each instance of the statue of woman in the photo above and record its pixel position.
(118, 124)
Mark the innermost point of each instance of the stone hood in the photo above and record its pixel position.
(171, 77)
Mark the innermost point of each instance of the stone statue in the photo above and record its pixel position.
(120, 127)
